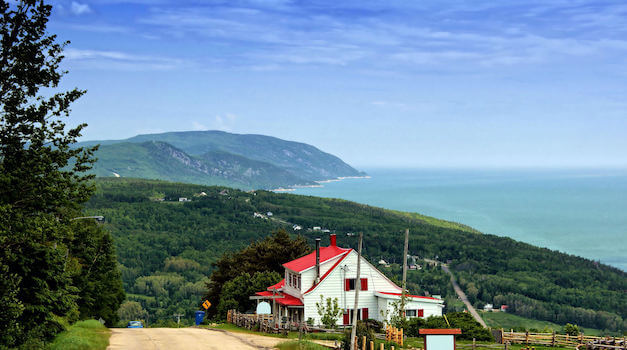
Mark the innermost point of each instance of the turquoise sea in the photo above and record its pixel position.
(581, 212)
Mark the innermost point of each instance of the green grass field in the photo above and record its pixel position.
(83, 335)
(511, 321)
(300, 345)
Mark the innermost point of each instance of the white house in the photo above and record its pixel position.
(335, 277)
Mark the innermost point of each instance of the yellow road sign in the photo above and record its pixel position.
(206, 304)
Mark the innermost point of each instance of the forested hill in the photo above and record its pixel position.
(166, 249)
(218, 158)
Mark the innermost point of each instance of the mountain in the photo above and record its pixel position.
(218, 158)
(166, 250)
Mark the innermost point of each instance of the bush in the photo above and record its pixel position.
(362, 330)
(375, 325)
(571, 329)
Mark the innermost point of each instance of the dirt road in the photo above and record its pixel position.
(186, 338)
(463, 297)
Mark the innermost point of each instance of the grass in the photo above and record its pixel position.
(82, 335)
(300, 345)
(510, 321)
(291, 335)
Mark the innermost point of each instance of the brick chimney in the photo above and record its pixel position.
(333, 240)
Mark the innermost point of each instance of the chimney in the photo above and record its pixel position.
(317, 261)
(333, 240)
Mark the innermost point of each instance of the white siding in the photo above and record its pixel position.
(333, 287)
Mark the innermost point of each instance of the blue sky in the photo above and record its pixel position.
(378, 83)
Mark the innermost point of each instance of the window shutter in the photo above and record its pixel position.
(421, 313)
(364, 313)
(346, 317)
(347, 284)
(364, 284)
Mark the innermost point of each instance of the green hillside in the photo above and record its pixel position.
(166, 250)
(160, 160)
(218, 158)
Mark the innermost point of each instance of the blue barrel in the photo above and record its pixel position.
(200, 315)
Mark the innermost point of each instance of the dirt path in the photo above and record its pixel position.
(186, 338)
(463, 297)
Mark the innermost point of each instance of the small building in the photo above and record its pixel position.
(297, 227)
(317, 228)
(488, 307)
(269, 213)
(183, 199)
(306, 281)
(202, 194)
(258, 215)
(224, 192)
(504, 308)
(440, 339)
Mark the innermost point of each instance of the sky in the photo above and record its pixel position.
(430, 83)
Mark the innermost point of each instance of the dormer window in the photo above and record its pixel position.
(293, 280)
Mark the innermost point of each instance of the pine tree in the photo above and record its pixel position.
(42, 181)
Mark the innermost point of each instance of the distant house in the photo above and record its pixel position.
(183, 199)
(335, 277)
(326, 231)
(297, 227)
(224, 192)
(382, 262)
(413, 267)
(202, 194)
(504, 308)
(488, 307)
(317, 228)
(269, 213)
(258, 215)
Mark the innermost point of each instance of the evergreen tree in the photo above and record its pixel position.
(42, 185)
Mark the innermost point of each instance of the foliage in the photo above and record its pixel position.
(545, 285)
(571, 329)
(363, 330)
(236, 292)
(470, 328)
(265, 256)
(131, 311)
(42, 185)
(376, 326)
(329, 311)
(83, 335)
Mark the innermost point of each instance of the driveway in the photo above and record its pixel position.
(186, 338)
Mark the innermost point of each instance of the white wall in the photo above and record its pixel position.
(333, 287)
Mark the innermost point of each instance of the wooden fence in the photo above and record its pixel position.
(563, 340)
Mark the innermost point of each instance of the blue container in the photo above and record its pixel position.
(200, 315)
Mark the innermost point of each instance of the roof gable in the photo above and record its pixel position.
(308, 261)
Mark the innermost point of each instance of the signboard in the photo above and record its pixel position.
(263, 308)
(206, 304)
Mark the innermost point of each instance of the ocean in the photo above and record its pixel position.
(580, 212)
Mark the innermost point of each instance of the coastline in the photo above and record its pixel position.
(319, 183)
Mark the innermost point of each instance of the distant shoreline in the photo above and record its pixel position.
(319, 183)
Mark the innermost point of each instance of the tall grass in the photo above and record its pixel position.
(83, 335)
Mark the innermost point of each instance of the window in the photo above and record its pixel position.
(410, 313)
(364, 284)
(349, 284)
(421, 313)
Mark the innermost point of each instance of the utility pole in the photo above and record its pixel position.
(178, 319)
(357, 288)
(404, 273)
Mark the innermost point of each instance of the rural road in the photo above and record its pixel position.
(186, 338)
(463, 297)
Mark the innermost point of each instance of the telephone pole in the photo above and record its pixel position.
(404, 273)
(357, 288)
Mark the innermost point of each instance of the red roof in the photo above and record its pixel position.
(286, 299)
(445, 331)
(308, 261)
(277, 286)
(328, 272)
(409, 295)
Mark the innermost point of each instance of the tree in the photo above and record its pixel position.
(266, 255)
(571, 329)
(329, 311)
(42, 185)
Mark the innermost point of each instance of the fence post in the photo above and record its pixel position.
(381, 347)
(553, 339)
(401, 338)
(363, 343)
(474, 343)
(502, 336)
(371, 345)
(506, 346)
(527, 338)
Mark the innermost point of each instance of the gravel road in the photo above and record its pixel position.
(186, 338)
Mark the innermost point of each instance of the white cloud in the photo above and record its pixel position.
(197, 126)
(224, 122)
(99, 59)
(80, 9)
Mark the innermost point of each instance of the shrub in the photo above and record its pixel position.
(362, 330)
